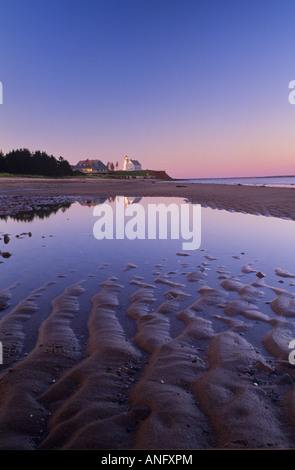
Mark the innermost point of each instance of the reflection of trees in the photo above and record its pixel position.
(43, 212)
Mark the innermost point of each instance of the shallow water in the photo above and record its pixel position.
(64, 241)
(62, 249)
(275, 181)
(51, 252)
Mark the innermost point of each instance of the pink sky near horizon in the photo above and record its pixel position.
(188, 148)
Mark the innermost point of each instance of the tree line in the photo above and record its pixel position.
(22, 161)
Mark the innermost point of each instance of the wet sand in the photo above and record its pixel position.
(268, 201)
(221, 380)
(203, 367)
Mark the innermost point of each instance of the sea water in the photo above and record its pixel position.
(275, 181)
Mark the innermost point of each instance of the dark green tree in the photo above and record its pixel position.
(22, 161)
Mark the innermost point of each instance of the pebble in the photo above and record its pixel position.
(260, 275)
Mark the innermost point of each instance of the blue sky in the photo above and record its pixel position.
(199, 88)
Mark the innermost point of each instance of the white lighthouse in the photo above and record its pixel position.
(131, 165)
(125, 163)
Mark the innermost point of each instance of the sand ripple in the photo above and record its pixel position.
(164, 364)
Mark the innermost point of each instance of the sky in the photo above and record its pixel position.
(198, 88)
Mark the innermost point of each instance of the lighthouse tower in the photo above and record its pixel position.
(131, 165)
(125, 163)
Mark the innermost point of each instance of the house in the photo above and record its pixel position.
(131, 165)
(91, 166)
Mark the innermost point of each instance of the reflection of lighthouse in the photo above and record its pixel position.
(131, 200)
(125, 163)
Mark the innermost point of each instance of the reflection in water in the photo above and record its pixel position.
(62, 233)
(93, 202)
(44, 212)
(101, 200)
(129, 219)
(132, 200)
(45, 209)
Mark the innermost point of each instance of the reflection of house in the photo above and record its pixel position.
(131, 165)
(91, 166)
(93, 201)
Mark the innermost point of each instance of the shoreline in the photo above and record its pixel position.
(258, 200)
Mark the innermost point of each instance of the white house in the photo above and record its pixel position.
(131, 165)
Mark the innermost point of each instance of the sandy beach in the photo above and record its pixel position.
(268, 201)
(178, 363)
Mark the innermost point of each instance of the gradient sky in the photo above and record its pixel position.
(197, 88)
